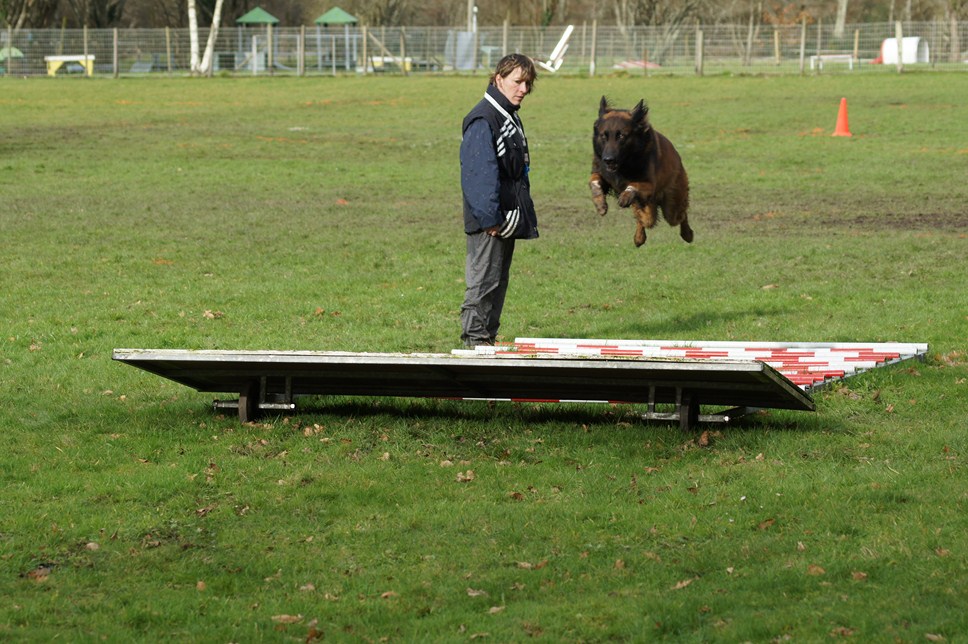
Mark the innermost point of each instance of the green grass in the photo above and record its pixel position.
(325, 214)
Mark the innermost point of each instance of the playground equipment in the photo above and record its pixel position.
(913, 50)
(558, 53)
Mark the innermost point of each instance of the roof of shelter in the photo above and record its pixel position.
(336, 16)
(258, 16)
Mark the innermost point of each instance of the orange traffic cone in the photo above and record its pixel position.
(842, 128)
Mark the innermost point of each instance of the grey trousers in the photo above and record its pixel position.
(486, 273)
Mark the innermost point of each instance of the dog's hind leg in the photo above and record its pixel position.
(685, 231)
(675, 214)
(675, 208)
(598, 193)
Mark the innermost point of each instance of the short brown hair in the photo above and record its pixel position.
(506, 66)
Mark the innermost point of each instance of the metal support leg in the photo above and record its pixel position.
(688, 408)
(248, 402)
(256, 397)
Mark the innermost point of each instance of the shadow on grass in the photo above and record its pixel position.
(587, 416)
(674, 327)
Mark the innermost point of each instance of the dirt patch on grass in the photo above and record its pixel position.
(919, 221)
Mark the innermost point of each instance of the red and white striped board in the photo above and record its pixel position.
(809, 365)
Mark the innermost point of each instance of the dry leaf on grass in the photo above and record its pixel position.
(40, 573)
(287, 619)
(527, 565)
(815, 570)
(472, 592)
(685, 582)
(466, 477)
(203, 511)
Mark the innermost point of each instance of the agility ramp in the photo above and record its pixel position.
(809, 365)
(526, 371)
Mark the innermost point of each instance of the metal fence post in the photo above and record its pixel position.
(403, 51)
(301, 49)
(699, 51)
(86, 61)
(114, 56)
(269, 62)
(899, 36)
(803, 44)
(168, 48)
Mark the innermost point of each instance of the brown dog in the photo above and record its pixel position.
(641, 166)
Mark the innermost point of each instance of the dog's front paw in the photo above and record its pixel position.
(601, 206)
(598, 196)
(628, 195)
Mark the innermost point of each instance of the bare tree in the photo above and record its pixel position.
(955, 10)
(96, 14)
(670, 17)
(203, 66)
(20, 14)
(385, 12)
(841, 19)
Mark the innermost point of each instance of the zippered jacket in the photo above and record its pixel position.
(494, 170)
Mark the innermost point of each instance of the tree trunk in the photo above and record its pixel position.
(206, 65)
(841, 18)
(955, 39)
(193, 36)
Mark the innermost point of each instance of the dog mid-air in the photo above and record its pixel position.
(640, 166)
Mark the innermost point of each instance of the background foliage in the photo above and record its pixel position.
(43, 14)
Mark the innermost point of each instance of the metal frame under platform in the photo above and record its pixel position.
(271, 380)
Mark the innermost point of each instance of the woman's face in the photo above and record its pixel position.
(513, 86)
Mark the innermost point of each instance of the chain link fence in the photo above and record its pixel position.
(591, 49)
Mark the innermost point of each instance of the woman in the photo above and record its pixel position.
(498, 209)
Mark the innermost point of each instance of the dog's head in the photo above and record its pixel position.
(618, 134)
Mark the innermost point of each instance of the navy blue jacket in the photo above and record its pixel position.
(494, 162)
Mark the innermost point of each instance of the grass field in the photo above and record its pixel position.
(324, 214)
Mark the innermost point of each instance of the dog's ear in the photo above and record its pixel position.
(639, 113)
(602, 107)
